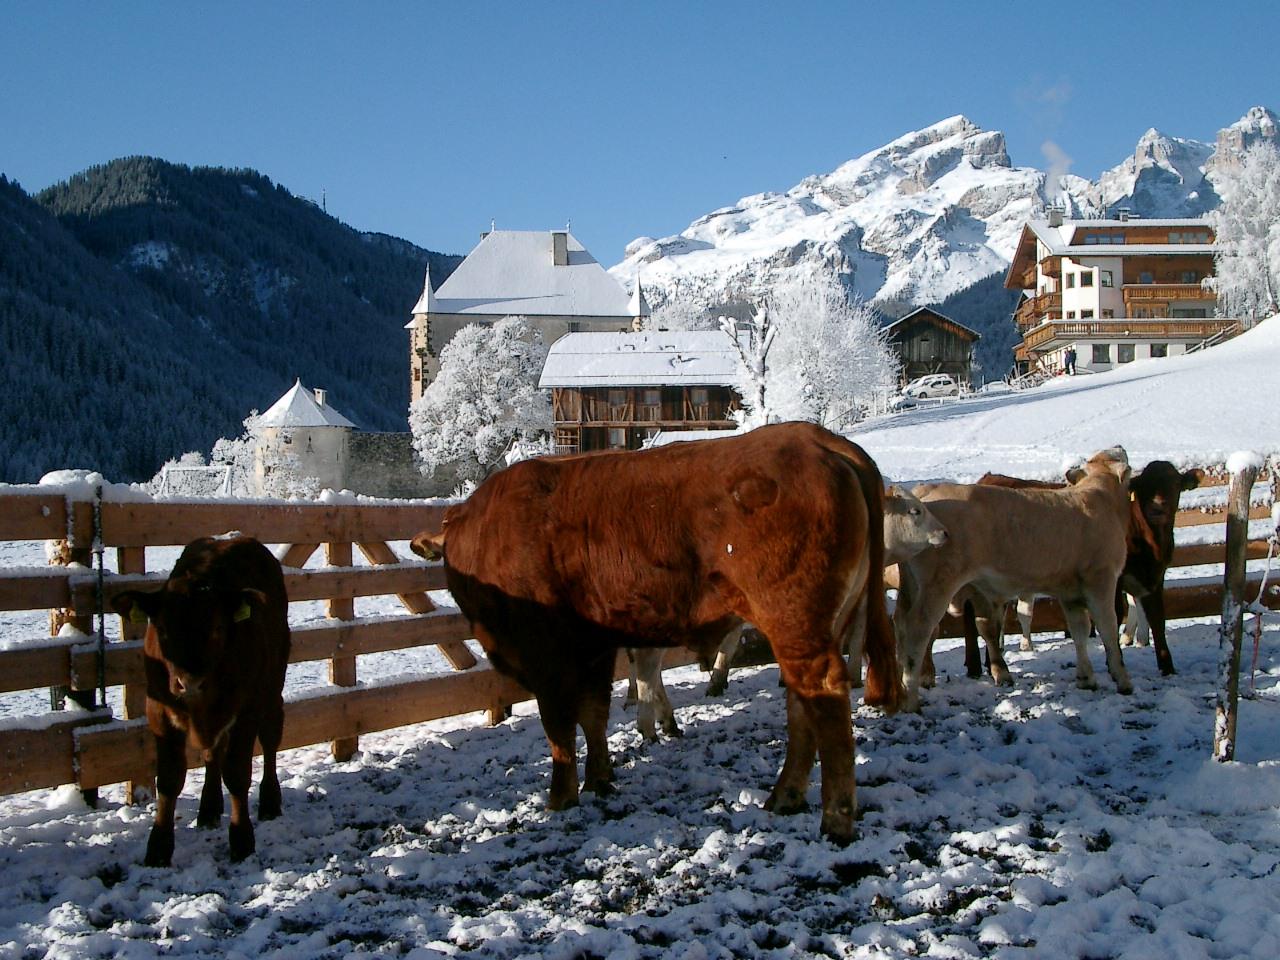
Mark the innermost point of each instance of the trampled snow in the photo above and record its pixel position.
(1037, 820)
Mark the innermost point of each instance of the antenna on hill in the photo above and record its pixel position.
(493, 225)
(567, 221)
(324, 200)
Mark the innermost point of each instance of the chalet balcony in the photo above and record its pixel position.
(1051, 335)
(1147, 293)
(1036, 310)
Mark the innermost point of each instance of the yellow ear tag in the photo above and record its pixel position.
(136, 615)
(243, 612)
(1132, 495)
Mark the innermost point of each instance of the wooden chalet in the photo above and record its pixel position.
(615, 391)
(927, 341)
(1114, 291)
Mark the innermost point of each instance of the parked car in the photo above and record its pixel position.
(932, 385)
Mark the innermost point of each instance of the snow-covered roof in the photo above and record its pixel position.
(666, 437)
(512, 272)
(902, 321)
(663, 358)
(427, 302)
(1058, 239)
(298, 408)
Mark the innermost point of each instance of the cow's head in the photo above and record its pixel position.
(429, 544)
(1157, 491)
(1112, 461)
(909, 527)
(193, 620)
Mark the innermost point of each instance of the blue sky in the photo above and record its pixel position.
(427, 120)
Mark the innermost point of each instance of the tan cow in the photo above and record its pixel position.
(1003, 543)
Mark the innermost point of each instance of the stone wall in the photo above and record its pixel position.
(384, 465)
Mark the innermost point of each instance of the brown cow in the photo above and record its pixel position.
(216, 649)
(558, 563)
(1068, 543)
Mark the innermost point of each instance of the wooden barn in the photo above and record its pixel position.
(927, 341)
(613, 391)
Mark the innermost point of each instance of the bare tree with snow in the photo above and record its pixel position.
(1247, 225)
(484, 399)
(753, 339)
(679, 313)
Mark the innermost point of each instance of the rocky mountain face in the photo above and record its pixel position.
(149, 306)
(922, 219)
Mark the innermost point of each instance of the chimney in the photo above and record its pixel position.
(1055, 216)
(319, 395)
(1122, 214)
(560, 248)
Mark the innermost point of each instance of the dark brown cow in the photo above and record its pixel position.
(216, 650)
(1153, 507)
(557, 563)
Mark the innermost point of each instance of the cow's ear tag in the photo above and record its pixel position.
(243, 612)
(1132, 496)
(136, 615)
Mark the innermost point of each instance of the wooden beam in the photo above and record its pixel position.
(342, 669)
(376, 635)
(144, 524)
(296, 555)
(1217, 514)
(141, 785)
(22, 590)
(39, 516)
(44, 663)
(42, 755)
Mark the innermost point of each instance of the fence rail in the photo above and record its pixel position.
(93, 748)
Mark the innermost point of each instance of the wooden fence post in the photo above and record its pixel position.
(63, 554)
(342, 670)
(1243, 468)
(141, 789)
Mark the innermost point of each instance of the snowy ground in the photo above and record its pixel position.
(1037, 821)
(1034, 821)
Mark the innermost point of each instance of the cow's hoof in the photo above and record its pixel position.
(1126, 640)
(1125, 688)
(1166, 670)
(673, 731)
(839, 829)
(208, 821)
(159, 850)
(1025, 646)
(242, 842)
(786, 802)
(715, 689)
(268, 803)
(1086, 683)
(600, 787)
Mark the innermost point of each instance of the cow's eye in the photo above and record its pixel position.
(915, 511)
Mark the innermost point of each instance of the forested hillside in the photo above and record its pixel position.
(146, 307)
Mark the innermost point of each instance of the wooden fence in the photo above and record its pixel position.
(93, 748)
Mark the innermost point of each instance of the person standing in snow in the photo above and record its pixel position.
(1069, 361)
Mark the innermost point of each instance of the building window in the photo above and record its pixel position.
(1086, 278)
(1071, 314)
(1108, 314)
(575, 326)
(1104, 278)
(1124, 353)
(1071, 280)
(1086, 314)
(1146, 277)
(1102, 353)
(650, 406)
(1190, 313)
(1190, 276)
(1159, 349)
(617, 438)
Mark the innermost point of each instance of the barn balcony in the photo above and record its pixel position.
(1148, 296)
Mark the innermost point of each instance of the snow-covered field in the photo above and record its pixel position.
(1038, 820)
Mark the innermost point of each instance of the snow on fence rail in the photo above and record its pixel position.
(93, 748)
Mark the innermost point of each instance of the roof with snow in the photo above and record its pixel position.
(939, 319)
(299, 408)
(663, 358)
(513, 273)
(1058, 241)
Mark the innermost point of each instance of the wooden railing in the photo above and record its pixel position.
(1128, 328)
(1165, 291)
(93, 748)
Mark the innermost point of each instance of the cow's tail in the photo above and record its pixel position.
(884, 678)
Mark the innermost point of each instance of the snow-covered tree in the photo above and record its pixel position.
(1247, 224)
(681, 314)
(812, 352)
(484, 398)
